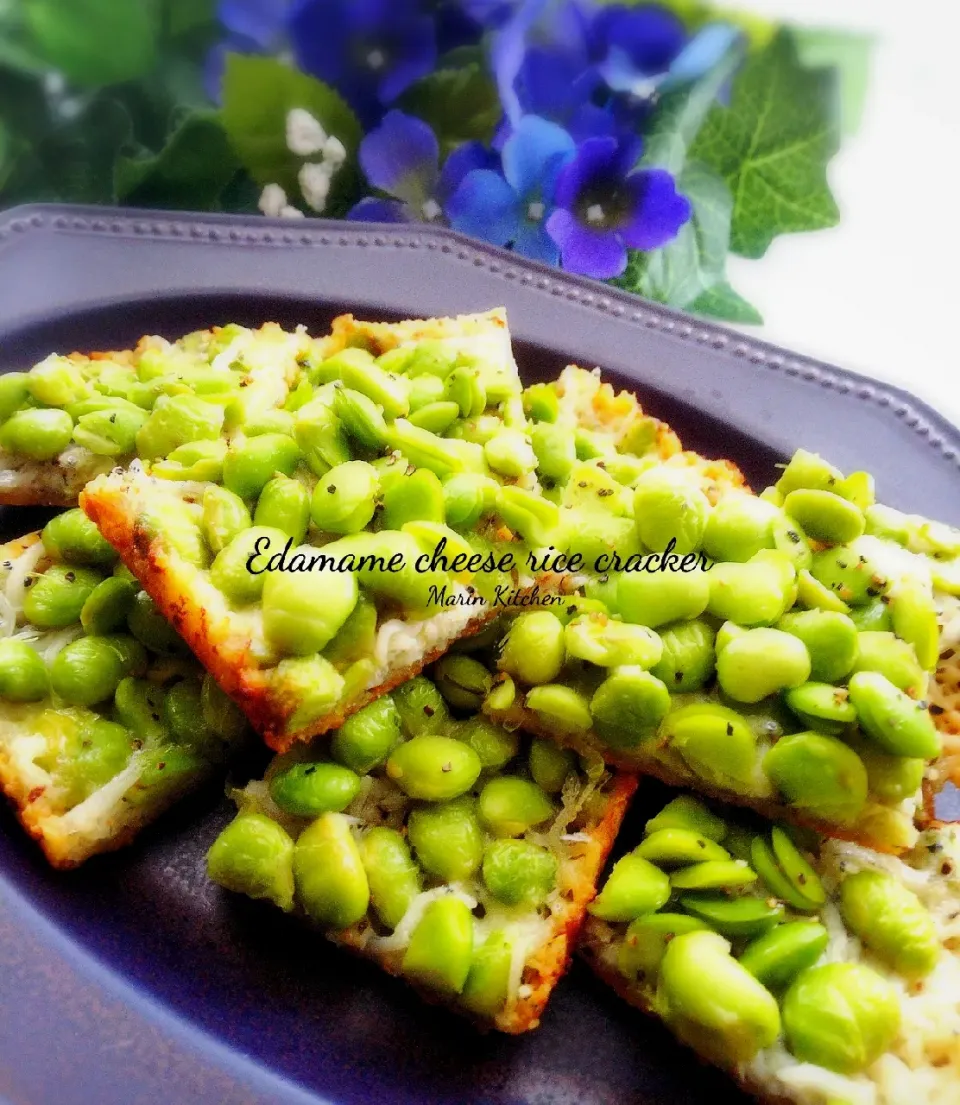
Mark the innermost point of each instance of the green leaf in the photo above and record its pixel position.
(772, 146)
(190, 172)
(460, 104)
(257, 95)
(183, 17)
(850, 54)
(94, 42)
(722, 302)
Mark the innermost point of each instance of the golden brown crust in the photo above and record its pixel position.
(380, 337)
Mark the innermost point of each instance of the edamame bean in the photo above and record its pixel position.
(715, 743)
(891, 779)
(108, 606)
(689, 813)
(628, 706)
(357, 370)
(519, 873)
(37, 434)
(72, 537)
(713, 1003)
(688, 658)
(94, 753)
(467, 497)
(896, 722)
(178, 420)
(319, 433)
(510, 453)
(842, 1016)
(555, 451)
(748, 594)
(874, 617)
(393, 877)
(646, 940)
(849, 574)
(822, 706)
(436, 417)
(421, 707)
(441, 946)
(311, 685)
(308, 789)
(488, 983)
(601, 640)
(386, 564)
(540, 402)
(433, 768)
(220, 712)
(139, 706)
(550, 765)
(892, 658)
(776, 958)
(493, 744)
(465, 389)
(109, 433)
(424, 390)
(151, 628)
(885, 522)
(367, 737)
(892, 922)
(560, 710)
(656, 598)
(825, 516)
(224, 516)
(533, 651)
(669, 508)
(806, 895)
(361, 418)
(818, 774)
(831, 641)
(733, 917)
(634, 887)
(738, 527)
(808, 470)
(344, 500)
(814, 595)
(250, 464)
(197, 460)
(86, 671)
(447, 839)
(254, 856)
(23, 674)
(760, 663)
(713, 875)
(914, 617)
(675, 847)
(790, 540)
(14, 391)
(328, 872)
(509, 806)
(55, 598)
(302, 612)
(284, 504)
(463, 681)
(239, 569)
(183, 716)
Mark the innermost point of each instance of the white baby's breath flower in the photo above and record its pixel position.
(305, 135)
(288, 211)
(334, 151)
(314, 180)
(272, 200)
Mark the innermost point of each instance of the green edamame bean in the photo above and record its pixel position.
(822, 706)
(224, 516)
(519, 873)
(436, 417)
(892, 525)
(421, 706)
(776, 958)
(760, 663)
(689, 813)
(825, 516)
(386, 564)
(57, 382)
(197, 460)
(634, 887)
(254, 856)
(220, 712)
(891, 779)
(914, 617)
(250, 464)
(151, 628)
(860, 488)
(733, 917)
(748, 594)
(109, 433)
(239, 569)
(842, 1016)
(494, 745)
(550, 765)
(715, 743)
(488, 982)
(808, 470)
(312, 685)
(874, 617)
(713, 1003)
(465, 389)
(814, 595)
(669, 508)
(320, 435)
(56, 598)
(139, 706)
(656, 598)
(309, 789)
(688, 659)
(713, 875)
(463, 681)
(560, 710)
(601, 640)
(328, 872)
(467, 497)
(831, 641)
(361, 418)
(540, 402)
(533, 651)
(790, 540)
(433, 768)
(267, 422)
(441, 946)
(510, 453)
(447, 839)
(37, 434)
(367, 737)
(358, 371)
(679, 847)
(86, 671)
(178, 420)
(738, 527)
(646, 940)
(555, 450)
(849, 574)
(345, 499)
(896, 722)
(72, 537)
(780, 884)
(393, 877)
(14, 391)
(424, 390)
(818, 774)
(509, 806)
(284, 504)
(628, 706)
(108, 606)
(23, 674)
(93, 753)
(302, 612)
(892, 922)
(502, 696)
(183, 717)
(892, 658)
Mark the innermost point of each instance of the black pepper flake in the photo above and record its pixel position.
(161, 765)
(935, 709)
(571, 610)
(446, 767)
(678, 677)
(946, 868)
(113, 418)
(331, 488)
(793, 536)
(604, 492)
(70, 577)
(582, 483)
(729, 729)
(28, 582)
(841, 564)
(429, 711)
(156, 717)
(8, 564)
(310, 770)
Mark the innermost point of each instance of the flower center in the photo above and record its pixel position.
(595, 214)
(431, 210)
(376, 59)
(536, 211)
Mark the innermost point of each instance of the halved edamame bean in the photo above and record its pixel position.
(345, 499)
(713, 875)
(608, 643)
(914, 616)
(777, 957)
(509, 806)
(760, 663)
(656, 598)
(688, 656)
(55, 598)
(302, 612)
(254, 856)
(487, 985)
(440, 951)
(308, 789)
(849, 574)
(72, 537)
(447, 838)
(519, 872)
(733, 917)
(628, 706)
(818, 774)
(533, 651)
(689, 813)
(896, 722)
(822, 706)
(433, 768)
(560, 710)
(831, 640)
(668, 507)
(328, 872)
(367, 737)
(892, 921)
(825, 516)
(634, 888)
(678, 847)
(808, 470)
(23, 674)
(393, 877)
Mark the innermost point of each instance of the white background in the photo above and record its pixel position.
(881, 293)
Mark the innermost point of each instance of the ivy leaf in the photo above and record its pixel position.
(772, 145)
(723, 302)
(257, 95)
(94, 42)
(190, 172)
(847, 52)
(460, 104)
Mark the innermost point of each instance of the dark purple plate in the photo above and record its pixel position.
(135, 982)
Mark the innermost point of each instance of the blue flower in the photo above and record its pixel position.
(402, 158)
(604, 208)
(253, 27)
(369, 50)
(511, 208)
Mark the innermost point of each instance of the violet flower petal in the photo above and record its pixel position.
(659, 210)
(401, 157)
(586, 250)
(485, 206)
